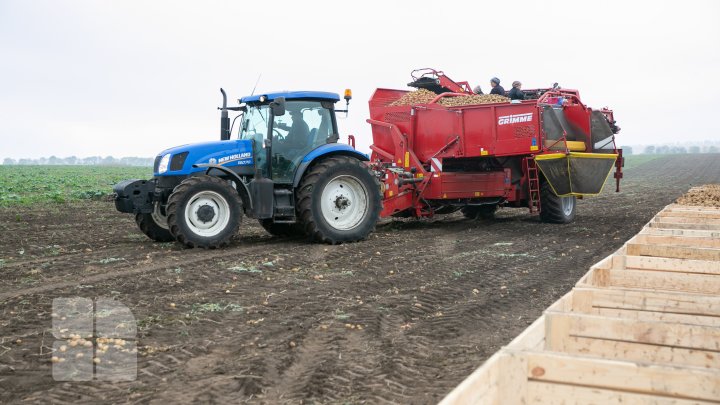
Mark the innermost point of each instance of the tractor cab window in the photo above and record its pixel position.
(254, 127)
(305, 126)
(255, 123)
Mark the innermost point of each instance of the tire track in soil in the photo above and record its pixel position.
(171, 260)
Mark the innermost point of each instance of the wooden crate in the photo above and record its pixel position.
(642, 326)
(532, 377)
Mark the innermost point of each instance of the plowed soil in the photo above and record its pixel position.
(402, 317)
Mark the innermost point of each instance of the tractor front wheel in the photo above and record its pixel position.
(554, 209)
(154, 225)
(339, 200)
(204, 211)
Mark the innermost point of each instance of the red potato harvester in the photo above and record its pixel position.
(540, 153)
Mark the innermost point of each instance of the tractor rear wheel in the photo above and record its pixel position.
(480, 211)
(204, 211)
(280, 229)
(554, 209)
(154, 225)
(339, 200)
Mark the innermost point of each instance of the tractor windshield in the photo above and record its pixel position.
(255, 124)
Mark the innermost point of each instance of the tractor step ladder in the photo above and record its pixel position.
(533, 185)
(284, 211)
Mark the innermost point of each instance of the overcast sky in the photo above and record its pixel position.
(130, 78)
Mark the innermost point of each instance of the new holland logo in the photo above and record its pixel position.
(237, 156)
(512, 119)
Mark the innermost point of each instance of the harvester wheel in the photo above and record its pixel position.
(204, 211)
(154, 225)
(480, 211)
(280, 229)
(339, 200)
(554, 209)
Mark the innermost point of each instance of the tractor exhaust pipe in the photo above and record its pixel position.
(224, 119)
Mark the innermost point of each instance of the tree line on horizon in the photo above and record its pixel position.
(670, 149)
(86, 161)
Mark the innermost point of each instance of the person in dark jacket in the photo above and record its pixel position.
(496, 87)
(298, 132)
(515, 93)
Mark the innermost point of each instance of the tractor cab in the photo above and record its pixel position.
(285, 127)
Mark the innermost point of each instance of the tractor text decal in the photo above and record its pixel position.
(512, 119)
(246, 158)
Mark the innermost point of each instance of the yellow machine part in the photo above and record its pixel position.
(573, 146)
(576, 173)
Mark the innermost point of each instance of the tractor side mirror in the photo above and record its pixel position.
(278, 106)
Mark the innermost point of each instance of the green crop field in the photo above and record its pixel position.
(23, 185)
(637, 160)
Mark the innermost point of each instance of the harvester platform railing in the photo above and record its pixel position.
(567, 96)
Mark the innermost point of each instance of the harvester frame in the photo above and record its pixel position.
(505, 154)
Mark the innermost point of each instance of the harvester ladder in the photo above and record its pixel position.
(533, 185)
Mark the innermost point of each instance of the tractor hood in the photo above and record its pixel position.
(179, 160)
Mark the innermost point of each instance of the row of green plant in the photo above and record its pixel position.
(24, 185)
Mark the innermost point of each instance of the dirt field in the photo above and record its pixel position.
(402, 317)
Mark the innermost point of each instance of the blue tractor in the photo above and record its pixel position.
(284, 167)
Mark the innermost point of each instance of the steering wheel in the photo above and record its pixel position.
(277, 136)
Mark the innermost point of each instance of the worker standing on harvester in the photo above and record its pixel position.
(515, 93)
(496, 87)
(478, 90)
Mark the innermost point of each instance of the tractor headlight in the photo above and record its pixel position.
(164, 162)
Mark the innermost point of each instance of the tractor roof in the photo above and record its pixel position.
(291, 95)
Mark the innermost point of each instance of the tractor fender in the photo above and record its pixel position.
(324, 151)
(241, 187)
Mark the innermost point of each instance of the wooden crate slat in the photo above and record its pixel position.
(654, 280)
(641, 352)
(652, 302)
(680, 232)
(671, 264)
(673, 225)
(701, 208)
(669, 218)
(687, 382)
(563, 324)
(691, 241)
(561, 394)
(678, 252)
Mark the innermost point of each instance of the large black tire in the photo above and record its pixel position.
(280, 229)
(486, 211)
(347, 184)
(154, 230)
(554, 209)
(204, 211)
